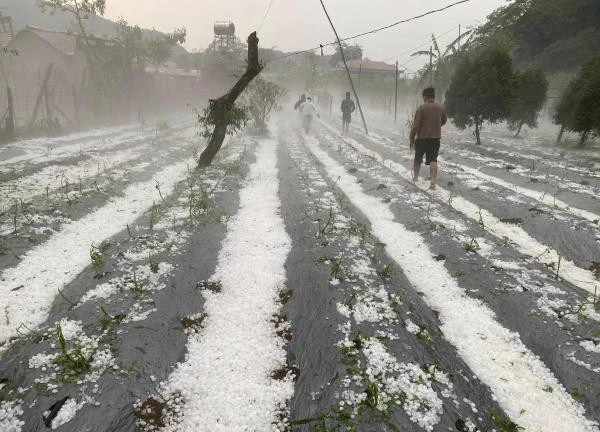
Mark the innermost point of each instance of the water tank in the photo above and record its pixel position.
(224, 29)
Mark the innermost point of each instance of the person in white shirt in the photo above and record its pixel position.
(309, 110)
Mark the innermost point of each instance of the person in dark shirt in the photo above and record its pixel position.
(347, 108)
(300, 102)
(426, 133)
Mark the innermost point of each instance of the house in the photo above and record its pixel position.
(368, 67)
(49, 76)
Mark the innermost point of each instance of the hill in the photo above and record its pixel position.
(556, 35)
(26, 12)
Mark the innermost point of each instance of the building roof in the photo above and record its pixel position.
(370, 66)
(173, 72)
(64, 42)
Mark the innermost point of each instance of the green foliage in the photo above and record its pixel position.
(472, 245)
(236, 118)
(443, 61)
(386, 272)
(504, 423)
(553, 34)
(262, 98)
(132, 46)
(351, 52)
(137, 50)
(73, 362)
(107, 320)
(96, 256)
(579, 108)
(533, 90)
(308, 72)
(79, 7)
(158, 49)
(483, 88)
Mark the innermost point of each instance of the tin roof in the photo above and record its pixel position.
(369, 65)
(64, 42)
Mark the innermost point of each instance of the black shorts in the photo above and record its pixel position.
(430, 147)
(346, 117)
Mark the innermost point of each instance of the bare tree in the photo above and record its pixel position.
(220, 110)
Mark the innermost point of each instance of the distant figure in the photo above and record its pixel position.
(300, 102)
(347, 108)
(427, 129)
(308, 110)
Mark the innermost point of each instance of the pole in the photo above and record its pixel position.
(359, 75)
(40, 96)
(10, 119)
(76, 107)
(458, 38)
(430, 66)
(396, 98)
(346, 66)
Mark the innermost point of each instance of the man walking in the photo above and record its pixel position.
(347, 108)
(308, 110)
(426, 133)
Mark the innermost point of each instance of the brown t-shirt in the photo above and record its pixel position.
(429, 119)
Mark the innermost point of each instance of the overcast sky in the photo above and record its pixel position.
(299, 24)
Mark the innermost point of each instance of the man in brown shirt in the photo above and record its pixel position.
(427, 129)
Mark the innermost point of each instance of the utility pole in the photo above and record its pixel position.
(10, 119)
(430, 66)
(396, 98)
(346, 66)
(359, 74)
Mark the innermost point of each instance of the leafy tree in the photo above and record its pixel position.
(545, 32)
(309, 72)
(137, 50)
(351, 52)
(132, 45)
(262, 99)
(80, 9)
(579, 108)
(100, 84)
(483, 88)
(533, 90)
(443, 62)
(158, 49)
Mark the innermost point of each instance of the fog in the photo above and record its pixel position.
(293, 25)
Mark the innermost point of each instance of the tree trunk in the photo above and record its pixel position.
(225, 103)
(560, 134)
(519, 129)
(583, 138)
(477, 132)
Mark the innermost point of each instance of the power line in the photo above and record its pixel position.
(410, 51)
(373, 31)
(266, 13)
